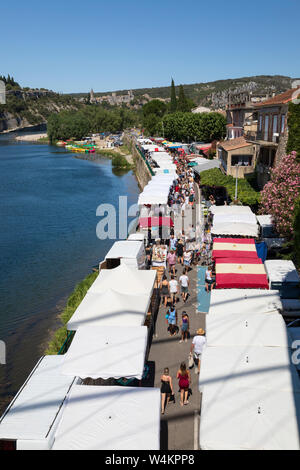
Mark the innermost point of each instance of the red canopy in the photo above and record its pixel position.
(241, 273)
(234, 248)
(147, 222)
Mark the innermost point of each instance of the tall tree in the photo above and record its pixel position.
(173, 104)
(293, 143)
(182, 104)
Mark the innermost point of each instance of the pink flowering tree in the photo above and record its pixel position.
(278, 198)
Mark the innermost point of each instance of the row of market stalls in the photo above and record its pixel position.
(249, 380)
(250, 385)
(85, 399)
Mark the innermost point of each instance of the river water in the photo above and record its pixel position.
(48, 242)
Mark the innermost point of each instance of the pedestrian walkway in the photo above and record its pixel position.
(202, 296)
(179, 425)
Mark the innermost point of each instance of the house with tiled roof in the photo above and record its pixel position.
(257, 134)
(237, 156)
(272, 132)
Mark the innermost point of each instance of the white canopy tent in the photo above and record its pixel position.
(107, 352)
(281, 271)
(110, 309)
(268, 368)
(208, 165)
(255, 329)
(125, 280)
(153, 147)
(235, 228)
(228, 210)
(163, 171)
(236, 218)
(32, 416)
(110, 418)
(246, 301)
(151, 199)
(241, 418)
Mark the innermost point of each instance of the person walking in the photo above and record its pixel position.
(172, 320)
(179, 250)
(171, 258)
(165, 290)
(184, 376)
(198, 344)
(185, 326)
(184, 283)
(209, 281)
(173, 288)
(187, 256)
(166, 389)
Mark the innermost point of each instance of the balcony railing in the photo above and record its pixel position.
(261, 136)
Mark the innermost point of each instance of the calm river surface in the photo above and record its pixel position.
(48, 242)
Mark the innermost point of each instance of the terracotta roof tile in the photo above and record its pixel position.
(282, 98)
(234, 143)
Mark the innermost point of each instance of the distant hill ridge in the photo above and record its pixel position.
(214, 94)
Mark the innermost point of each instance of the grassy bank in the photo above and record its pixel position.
(73, 301)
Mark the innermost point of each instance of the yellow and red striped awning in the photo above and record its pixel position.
(241, 273)
(234, 248)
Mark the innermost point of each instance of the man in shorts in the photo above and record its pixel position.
(173, 288)
(184, 282)
(197, 347)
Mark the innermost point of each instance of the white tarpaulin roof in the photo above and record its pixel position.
(228, 210)
(238, 418)
(237, 218)
(36, 405)
(149, 198)
(235, 228)
(125, 280)
(110, 418)
(107, 352)
(110, 309)
(264, 220)
(208, 165)
(137, 236)
(160, 171)
(249, 366)
(254, 329)
(246, 301)
(281, 271)
(124, 249)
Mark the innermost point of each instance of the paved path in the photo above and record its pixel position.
(179, 423)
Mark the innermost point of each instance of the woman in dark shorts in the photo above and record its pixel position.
(184, 383)
(179, 251)
(165, 290)
(166, 389)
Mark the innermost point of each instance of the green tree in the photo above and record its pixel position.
(293, 143)
(173, 104)
(156, 107)
(182, 104)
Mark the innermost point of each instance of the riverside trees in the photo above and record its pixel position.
(186, 127)
(77, 124)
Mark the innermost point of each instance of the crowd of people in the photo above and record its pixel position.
(177, 255)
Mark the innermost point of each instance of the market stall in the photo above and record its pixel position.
(241, 273)
(110, 418)
(107, 352)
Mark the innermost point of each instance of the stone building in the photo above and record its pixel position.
(271, 134)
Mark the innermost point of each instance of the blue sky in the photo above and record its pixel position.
(73, 46)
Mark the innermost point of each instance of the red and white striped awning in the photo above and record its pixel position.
(241, 273)
(234, 248)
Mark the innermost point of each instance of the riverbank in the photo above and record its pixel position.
(40, 138)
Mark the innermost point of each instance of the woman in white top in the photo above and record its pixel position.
(209, 281)
(184, 282)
